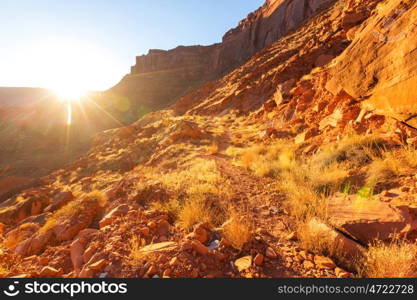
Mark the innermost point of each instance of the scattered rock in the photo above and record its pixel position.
(113, 215)
(48, 272)
(199, 247)
(259, 259)
(99, 265)
(243, 263)
(270, 253)
(324, 263)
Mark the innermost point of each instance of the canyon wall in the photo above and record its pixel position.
(159, 78)
(385, 76)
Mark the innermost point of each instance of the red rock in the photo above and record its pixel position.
(243, 263)
(324, 262)
(114, 214)
(47, 272)
(259, 259)
(2, 227)
(144, 231)
(98, 265)
(199, 247)
(10, 186)
(349, 248)
(323, 60)
(59, 201)
(77, 250)
(270, 253)
(368, 219)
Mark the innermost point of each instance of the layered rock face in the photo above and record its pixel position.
(380, 66)
(161, 77)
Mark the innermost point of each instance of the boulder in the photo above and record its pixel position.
(114, 214)
(29, 203)
(339, 242)
(59, 201)
(368, 219)
(12, 185)
(384, 71)
(165, 246)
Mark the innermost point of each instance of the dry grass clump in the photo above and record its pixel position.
(397, 259)
(199, 193)
(265, 160)
(73, 208)
(353, 148)
(390, 164)
(135, 245)
(237, 231)
(195, 211)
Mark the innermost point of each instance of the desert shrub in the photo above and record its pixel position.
(199, 193)
(396, 259)
(73, 208)
(353, 148)
(237, 230)
(135, 245)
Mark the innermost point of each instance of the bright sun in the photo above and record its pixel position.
(70, 93)
(70, 67)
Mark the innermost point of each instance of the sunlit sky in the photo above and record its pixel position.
(91, 44)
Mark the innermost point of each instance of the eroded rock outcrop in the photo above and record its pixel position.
(381, 63)
(161, 77)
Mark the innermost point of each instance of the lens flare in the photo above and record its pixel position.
(69, 113)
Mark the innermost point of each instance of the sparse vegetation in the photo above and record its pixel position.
(199, 193)
(396, 259)
(135, 245)
(237, 230)
(73, 208)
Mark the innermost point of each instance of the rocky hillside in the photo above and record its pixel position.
(161, 77)
(299, 162)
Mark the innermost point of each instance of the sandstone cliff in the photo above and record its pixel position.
(161, 77)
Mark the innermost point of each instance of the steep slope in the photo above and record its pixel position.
(267, 172)
(161, 77)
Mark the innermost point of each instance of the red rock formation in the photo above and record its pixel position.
(161, 77)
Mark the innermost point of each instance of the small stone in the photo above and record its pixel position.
(214, 245)
(270, 253)
(152, 224)
(324, 262)
(43, 260)
(259, 259)
(50, 272)
(144, 231)
(99, 265)
(243, 263)
(308, 264)
(292, 236)
(151, 271)
(173, 261)
(167, 273)
(199, 247)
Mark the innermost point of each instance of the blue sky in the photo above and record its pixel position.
(47, 42)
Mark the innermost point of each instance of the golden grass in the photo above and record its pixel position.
(199, 193)
(212, 149)
(73, 208)
(397, 259)
(237, 231)
(392, 163)
(135, 245)
(193, 212)
(352, 147)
